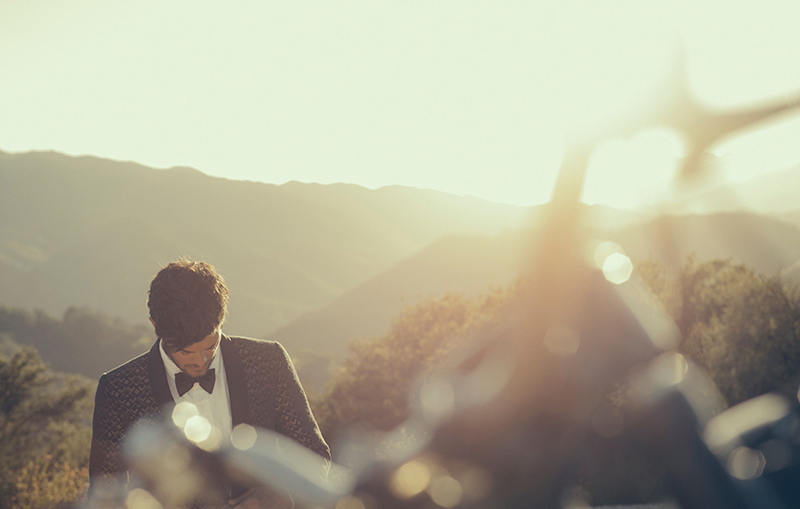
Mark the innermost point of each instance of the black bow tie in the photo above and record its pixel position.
(184, 382)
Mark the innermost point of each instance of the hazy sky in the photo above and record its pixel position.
(463, 96)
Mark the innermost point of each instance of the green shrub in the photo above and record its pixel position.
(44, 484)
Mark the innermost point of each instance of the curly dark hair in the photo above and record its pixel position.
(187, 302)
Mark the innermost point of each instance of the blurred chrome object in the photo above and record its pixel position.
(526, 406)
(511, 423)
(758, 441)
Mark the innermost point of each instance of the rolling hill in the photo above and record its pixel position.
(763, 243)
(467, 264)
(85, 231)
(775, 193)
(472, 264)
(310, 265)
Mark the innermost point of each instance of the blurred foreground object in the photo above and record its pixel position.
(511, 423)
(472, 442)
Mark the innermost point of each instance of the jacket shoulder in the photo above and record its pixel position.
(245, 344)
(261, 358)
(134, 368)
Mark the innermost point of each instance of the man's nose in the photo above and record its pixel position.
(199, 358)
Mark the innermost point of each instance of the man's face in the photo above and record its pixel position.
(195, 359)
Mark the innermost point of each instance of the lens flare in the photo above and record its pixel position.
(410, 479)
(183, 412)
(446, 491)
(243, 437)
(197, 429)
(617, 268)
(745, 463)
(350, 502)
(141, 499)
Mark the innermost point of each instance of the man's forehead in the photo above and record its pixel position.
(210, 341)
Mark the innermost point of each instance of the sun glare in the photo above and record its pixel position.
(600, 77)
(465, 100)
(634, 172)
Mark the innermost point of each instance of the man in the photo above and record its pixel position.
(229, 380)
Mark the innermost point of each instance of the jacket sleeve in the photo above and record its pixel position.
(293, 416)
(107, 471)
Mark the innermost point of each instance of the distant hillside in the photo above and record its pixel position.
(788, 217)
(774, 193)
(765, 244)
(86, 231)
(468, 264)
(311, 265)
(472, 264)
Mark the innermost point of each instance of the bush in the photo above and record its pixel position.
(64, 343)
(44, 484)
(372, 386)
(741, 326)
(44, 429)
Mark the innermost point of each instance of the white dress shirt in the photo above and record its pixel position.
(215, 408)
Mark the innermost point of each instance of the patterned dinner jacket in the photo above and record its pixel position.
(264, 392)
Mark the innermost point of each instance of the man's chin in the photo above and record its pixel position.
(195, 372)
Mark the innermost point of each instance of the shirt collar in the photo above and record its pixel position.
(173, 369)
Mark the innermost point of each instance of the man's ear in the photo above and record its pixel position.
(152, 321)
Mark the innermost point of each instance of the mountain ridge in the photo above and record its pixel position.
(85, 231)
(70, 225)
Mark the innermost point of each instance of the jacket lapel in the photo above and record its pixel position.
(158, 379)
(237, 386)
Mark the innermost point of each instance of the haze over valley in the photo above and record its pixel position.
(313, 265)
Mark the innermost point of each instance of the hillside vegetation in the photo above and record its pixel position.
(45, 431)
(309, 265)
(738, 324)
(472, 264)
(83, 341)
(377, 287)
(742, 327)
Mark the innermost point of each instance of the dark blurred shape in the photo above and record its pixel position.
(510, 424)
(759, 442)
